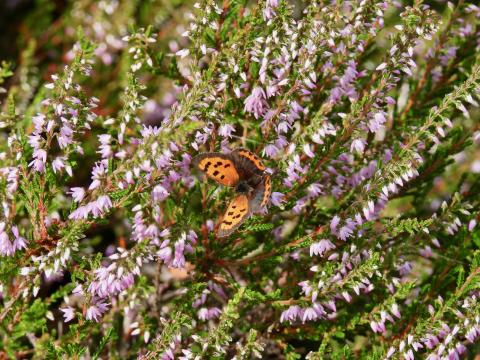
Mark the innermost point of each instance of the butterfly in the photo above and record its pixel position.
(245, 171)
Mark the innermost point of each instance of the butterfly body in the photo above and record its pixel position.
(243, 187)
(244, 171)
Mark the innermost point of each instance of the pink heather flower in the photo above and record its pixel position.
(377, 122)
(426, 252)
(65, 137)
(283, 127)
(347, 296)
(306, 287)
(299, 205)
(309, 315)
(472, 334)
(68, 313)
(214, 312)
(165, 254)
(409, 355)
(202, 314)
(183, 53)
(255, 103)
(168, 355)
(179, 258)
(81, 212)
(78, 193)
(321, 247)
(345, 232)
(344, 85)
(319, 309)
(95, 184)
(165, 233)
(281, 142)
(40, 158)
(105, 148)
(314, 190)
(390, 352)
(461, 349)
(94, 312)
(6, 247)
(472, 224)
(104, 203)
(208, 313)
(333, 257)
(192, 237)
(307, 149)
(270, 151)
(405, 268)
(277, 198)
(19, 242)
(334, 223)
(210, 225)
(200, 300)
(34, 141)
(395, 311)
(268, 11)
(374, 326)
(226, 130)
(159, 193)
(94, 208)
(58, 164)
(358, 145)
(38, 122)
(291, 313)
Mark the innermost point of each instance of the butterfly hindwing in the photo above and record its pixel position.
(267, 181)
(237, 212)
(219, 167)
(261, 194)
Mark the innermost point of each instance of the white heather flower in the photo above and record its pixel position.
(78, 193)
(183, 53)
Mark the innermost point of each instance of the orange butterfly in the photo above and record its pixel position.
(245, 171)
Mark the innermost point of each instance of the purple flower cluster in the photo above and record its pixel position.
(441, 340)
(63, 119)
(172, 253)
(9, 245)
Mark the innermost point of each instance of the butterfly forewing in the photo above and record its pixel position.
(219, 167)
(238, 210)
(251, 158)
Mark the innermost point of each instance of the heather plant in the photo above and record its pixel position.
(366, 115)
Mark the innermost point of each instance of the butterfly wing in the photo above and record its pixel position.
(250, 162)
(237, 212)
(219, 167)
(261, 194)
